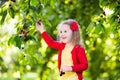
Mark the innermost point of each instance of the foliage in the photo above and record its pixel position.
(24, 53)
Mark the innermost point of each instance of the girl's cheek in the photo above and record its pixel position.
(60, 39)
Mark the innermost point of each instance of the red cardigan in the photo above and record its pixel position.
(79, 58)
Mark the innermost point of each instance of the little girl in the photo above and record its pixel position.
(72, 59)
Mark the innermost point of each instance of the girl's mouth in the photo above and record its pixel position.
(63, 37)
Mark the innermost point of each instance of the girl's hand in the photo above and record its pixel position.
(66, 68)
(39, 26)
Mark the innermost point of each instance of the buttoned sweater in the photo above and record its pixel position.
(80, 62)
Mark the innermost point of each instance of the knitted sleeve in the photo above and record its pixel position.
(82, 63)
(50, 42)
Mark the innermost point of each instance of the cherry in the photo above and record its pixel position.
(101, 15)
(22, 47)
(71, 2)
(24, 55)
(10, 6)
(119, 20)
(39, 22)
(26, 39)
(114, 0)
(98, 20)
(13, 0)
(103, 12)
(26, 32)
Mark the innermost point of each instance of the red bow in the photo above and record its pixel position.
(74, 26)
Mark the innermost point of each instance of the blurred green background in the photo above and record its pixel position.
(25, 56)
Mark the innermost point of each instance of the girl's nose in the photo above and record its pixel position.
(62, 34)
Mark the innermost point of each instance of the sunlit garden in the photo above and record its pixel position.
(25, 56)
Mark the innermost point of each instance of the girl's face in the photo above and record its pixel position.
(65, 33)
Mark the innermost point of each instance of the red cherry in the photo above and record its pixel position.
(39, 22)
(118, 20)
(26, 32)
(13, 0)
(26, 38)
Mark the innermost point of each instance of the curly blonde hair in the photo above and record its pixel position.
(76, 33)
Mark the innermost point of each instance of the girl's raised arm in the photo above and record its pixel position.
(48, 39)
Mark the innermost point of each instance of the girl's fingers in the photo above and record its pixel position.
(66, 68)
(39, 22)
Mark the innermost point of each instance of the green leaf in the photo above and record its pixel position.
(99, 28)
(11, 40)
(47, 23)
(34, 38)
(52, 3)
(32, 8)
(27, 24)
(1, 59)
(39, 8)
(44, 1)
(15, 40)
(34, 2)
(11, 12)
(90, 27)
(3, 17)
(18, 41)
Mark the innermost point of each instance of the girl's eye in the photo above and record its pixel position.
(60, 31)
(65, 31)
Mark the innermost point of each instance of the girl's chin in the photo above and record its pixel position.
(63, 41)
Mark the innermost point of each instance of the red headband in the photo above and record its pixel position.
(74, 26)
